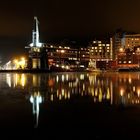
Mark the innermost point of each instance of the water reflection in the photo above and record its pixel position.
(105, 88)
(36, 99)
(111, 87)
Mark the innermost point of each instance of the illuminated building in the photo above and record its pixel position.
(117, 42)
(37, 51)
(62, 56)
(131, 40)
(100, 53)
(67, 56)
(129, 57)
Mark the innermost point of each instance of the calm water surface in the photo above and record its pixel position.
(106, 102)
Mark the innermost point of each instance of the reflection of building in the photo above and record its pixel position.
(36, 99)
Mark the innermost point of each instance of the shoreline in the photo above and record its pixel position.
(55, 71)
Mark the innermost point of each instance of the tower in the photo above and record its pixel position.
(37, 50)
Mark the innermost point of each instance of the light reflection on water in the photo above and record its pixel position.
(105, 88)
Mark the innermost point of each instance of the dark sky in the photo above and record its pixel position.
(62, 19)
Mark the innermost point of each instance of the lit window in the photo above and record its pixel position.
(107, 50)
(100, 50)
(107, 44)
(107, 47)
(99, 44)
(96, 48)
(100, 47)
(129, 62)
(124, 62)
(94, 41)
(119, 62)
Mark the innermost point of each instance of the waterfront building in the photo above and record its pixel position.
(67, 56)
(131, 40)
(129, 57)
(37, 51)
(116, 42)
(100, 53)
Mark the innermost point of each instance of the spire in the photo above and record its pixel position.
(35, 34)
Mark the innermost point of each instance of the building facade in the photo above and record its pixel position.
(131, 40)
(100, 53)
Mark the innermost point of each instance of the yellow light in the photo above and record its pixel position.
(23, 80)
(23, 59)
(62, 51)
(121, 50)
(122, 92)
(15, 61)
(108, 94)
(100, 95)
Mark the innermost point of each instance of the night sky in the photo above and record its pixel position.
(61, 19)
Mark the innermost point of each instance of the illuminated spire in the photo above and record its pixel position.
(35, 34)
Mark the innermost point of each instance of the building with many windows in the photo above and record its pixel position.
(100, 53)
(129, 57)
(130, 40)
(67, 57)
